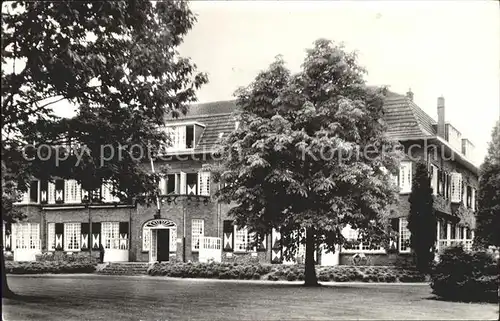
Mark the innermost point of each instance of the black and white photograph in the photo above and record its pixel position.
(250, 160)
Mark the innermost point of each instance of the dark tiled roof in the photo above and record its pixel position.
(404, 118)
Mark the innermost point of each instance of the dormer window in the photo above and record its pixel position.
(183, 136)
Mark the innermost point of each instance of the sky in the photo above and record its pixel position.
(448, 48)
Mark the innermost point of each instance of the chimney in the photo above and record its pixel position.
(441, 124)
(409, 94)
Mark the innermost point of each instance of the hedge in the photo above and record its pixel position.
(235, 271)
(12, 267)
(465, 276)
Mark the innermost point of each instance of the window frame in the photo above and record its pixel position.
(197, 236)
(77, 232)
(405, 186)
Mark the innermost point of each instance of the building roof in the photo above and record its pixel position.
(405, 121)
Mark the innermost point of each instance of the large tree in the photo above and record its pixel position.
(117, 63)
(309, 154)
(488, 198)
(422, 218)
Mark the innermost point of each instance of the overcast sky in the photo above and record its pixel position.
(449, 48)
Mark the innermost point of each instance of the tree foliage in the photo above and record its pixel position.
(422, 218)
(488, 198)
(310, 153)
(117, 63)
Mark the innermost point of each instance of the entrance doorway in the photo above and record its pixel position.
(163, 244)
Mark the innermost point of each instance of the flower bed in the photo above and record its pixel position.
(236, 271)
(48, 267)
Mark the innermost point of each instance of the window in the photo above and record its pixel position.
(26, 236)
(404, 236)
(453, 232)
(204, 183)
(181, 137)
(107, 193)
(51, 236)
(241, 239)
(405, 177)
(190, 136)
(469, 196)
(73, 191)
(72, 236)
(110, 235)
(354, 244)
(33, 190)
(197, 232)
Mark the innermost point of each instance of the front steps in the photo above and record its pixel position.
(123, 268)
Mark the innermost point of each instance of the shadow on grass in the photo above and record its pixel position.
(19, 298)
(478, 301)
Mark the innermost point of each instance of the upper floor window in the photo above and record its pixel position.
(32, 194)
(181, 137)
(434, 179)
(186, 183)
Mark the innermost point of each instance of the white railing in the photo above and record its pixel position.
(211, 249)
(212, 243)
(466, 243)
(27, 244)
(115, 244)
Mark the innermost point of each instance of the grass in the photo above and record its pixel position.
(98, 297)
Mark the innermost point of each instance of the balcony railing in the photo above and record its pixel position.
(115, 244)
(466, 243)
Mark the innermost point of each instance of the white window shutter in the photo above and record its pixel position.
(456, 187)
(434, 181)
(405, 177)
(163, 186)
(183, 183)
(51, 190)
(182, 137)
(204, 183)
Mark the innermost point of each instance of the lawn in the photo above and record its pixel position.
(99, 297)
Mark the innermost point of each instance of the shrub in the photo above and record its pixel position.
(12, 267)
(464, 276)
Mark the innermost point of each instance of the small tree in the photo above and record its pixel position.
(422, 218)
(310, 154)
(488, 198)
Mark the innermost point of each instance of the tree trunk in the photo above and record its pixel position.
(310, 278)
(6, 292)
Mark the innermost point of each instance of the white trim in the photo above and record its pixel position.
(183, 123)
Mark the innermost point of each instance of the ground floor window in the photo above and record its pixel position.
(242, 239)
(404, 235)
(110, 235)
(197, 232)
(355, 244)
(72, 236)
(26, 236)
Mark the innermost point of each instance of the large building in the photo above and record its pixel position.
(193, 226)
